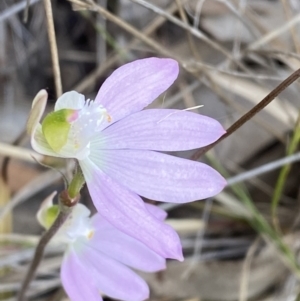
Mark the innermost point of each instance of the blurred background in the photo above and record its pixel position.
(241, 245)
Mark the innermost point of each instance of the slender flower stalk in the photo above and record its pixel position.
(118, 147)
(57, 219)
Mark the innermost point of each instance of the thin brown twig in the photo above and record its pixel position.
(53, 47)
(39, 251)
(256, 109)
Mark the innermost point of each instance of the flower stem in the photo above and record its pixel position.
(76, 184)
(39, 251)
(256, 109)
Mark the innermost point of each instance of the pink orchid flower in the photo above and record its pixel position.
(98, 257)
(118, 148)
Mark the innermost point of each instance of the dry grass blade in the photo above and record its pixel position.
(275, 33)
(246, 270)
(20, 153)
(14, 9)
(5, 223)
(36, 185)
(53, 47)
(192, 30)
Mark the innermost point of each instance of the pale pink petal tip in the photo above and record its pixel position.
(135, 85)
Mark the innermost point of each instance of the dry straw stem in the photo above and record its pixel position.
(36, 185)
(21, 239)
(255, 181)
(241, 17)
(246, 270)
(184, 18)
(91, 5)
(20, 153)
(14, 9)
(53, 47)
(238, 74)
(263, 169)
(186, 226)
(6, 223)
(199, 239)
(25, 17)
(271, 35)
(287, 11)
(192, 30)
(276, 53)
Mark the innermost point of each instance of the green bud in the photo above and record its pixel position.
(50, 216)
(76, 184)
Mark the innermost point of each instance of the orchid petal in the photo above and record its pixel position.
(157, 212)
(34, 129)
(124, 248)
(111, 277)
(161, 130)
(159, 176)
(70, 100)
(38, 107)
(127, 212)
(77, 280)
(135, 85)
